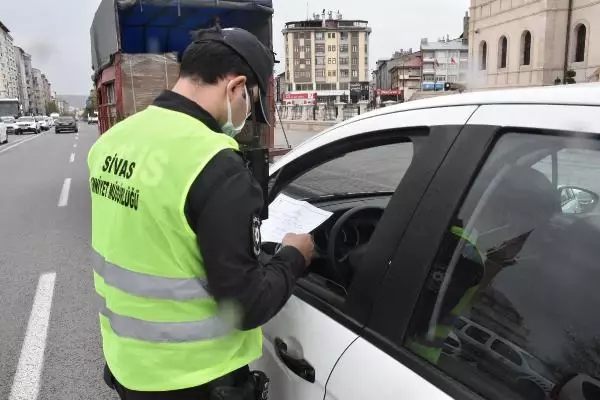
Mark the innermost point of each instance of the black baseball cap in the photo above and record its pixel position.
(260, 59)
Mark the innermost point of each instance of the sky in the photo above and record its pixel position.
(56, 32)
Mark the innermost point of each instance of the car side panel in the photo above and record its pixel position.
(366, 372)
(309, 334)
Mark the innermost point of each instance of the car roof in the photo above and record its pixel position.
(587, 94)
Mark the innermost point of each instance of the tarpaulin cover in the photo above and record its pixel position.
(165, 26)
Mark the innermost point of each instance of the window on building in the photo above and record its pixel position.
(329, 61)
(366, 48)
(526, 48)
(580, 37)
(333, 60)
(343, 60)
(354, 73)
(331, 47)
(331, 35)
(297, 61)
(355, 35)
(320, 73)
(344, 85)
(331, 73)
(343, 48)
(354, 60)
(502, 52)
(320, 60)
(355, 48)
(344, 73)
(296, 49)
(320, 48)
(296, 35)
(307, 61)
(483, 50)
(319, 36)
(343, 35)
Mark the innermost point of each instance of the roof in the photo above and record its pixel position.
(4, 28)
(415, 62)
(587, 94)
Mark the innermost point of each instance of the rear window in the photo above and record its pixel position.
(65, 119)
(26, 119)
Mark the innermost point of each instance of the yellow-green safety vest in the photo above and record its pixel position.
(161, 329)
(431, 350)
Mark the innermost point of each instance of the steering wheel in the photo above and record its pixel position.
(341, 267)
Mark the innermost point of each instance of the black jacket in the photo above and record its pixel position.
(222, 208)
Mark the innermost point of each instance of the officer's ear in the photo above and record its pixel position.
(236, 85)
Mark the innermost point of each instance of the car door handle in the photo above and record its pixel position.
(300, 367)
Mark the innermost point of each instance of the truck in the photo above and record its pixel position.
(10, 108)
(137, 47)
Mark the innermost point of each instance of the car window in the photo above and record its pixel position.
(478, 334)
(520, 263)
(26, 119)
(374, 169)
(507, 352)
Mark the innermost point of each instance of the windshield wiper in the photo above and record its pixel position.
(348, 195)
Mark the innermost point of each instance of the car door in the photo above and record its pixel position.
(537, 285)
(401, 151)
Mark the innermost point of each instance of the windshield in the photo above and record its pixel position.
(8, 120)
(26, 119)
(366, 171)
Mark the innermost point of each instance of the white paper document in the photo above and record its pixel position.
(287, 215)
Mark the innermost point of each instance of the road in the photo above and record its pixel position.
(49, 338)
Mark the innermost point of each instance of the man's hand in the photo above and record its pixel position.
(304, 243)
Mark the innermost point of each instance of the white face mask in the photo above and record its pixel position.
(228, 128)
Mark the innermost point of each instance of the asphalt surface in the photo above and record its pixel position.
(59, 356)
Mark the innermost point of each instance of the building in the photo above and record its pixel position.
(325, 55)
(8, 66)
(406, 74)
(46, 91)
(23, 62)
(533, 43)
(444, 60)
(38, 100)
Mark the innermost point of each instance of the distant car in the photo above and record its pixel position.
(3, 134)
(43, 122)
(11, 124)
(66, 124)
(28, 124)
(92, 120)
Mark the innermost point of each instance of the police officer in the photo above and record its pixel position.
(175, 230)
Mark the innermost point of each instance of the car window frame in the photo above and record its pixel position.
(364, 290)
(419, 249)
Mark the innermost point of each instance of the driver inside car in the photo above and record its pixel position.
(523, 201)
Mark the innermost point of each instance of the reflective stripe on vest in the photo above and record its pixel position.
(145, 285)
(156, 287)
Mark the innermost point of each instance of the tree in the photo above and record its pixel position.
(51, 107)
(91, 105)
(581, 355)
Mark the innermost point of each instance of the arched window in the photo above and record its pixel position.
(526, 48)
(483, 55)
(580, 35)
(502, 52)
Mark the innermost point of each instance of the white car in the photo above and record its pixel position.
(28, 124)
(43, 122)
(443, 208)
(11, 124)
(3, 132)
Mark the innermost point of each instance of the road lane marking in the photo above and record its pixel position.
(26, 383)
(72, 157)
(20, 142)
(63, 199)
(75, 146)
(76, 137)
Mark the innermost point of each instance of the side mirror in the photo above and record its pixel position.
(577, 200)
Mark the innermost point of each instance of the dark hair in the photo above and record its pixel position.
(211, 61)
